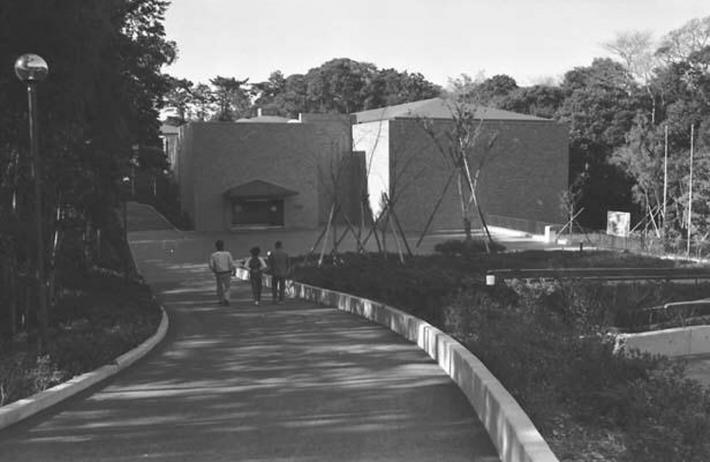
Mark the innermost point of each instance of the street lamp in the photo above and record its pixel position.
(31, 69)
(135, 148)
(124, 193)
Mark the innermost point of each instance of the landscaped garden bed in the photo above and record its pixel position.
(90, 327)
(548, 343)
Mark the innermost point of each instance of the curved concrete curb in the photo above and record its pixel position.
(509, 427)
(678, 341)
(23, 408)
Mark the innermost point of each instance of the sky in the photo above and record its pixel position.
(529, 40)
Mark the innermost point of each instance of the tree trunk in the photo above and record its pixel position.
(473, 186)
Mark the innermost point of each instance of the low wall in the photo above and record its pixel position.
(679, 341)
(510, 429)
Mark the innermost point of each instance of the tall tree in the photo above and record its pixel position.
(389, 87)
(680, 43)
(204, 103)
(683, 86)
(232, 98)
(636, 52)
(538, 100)
(180, 98)
(465, 147)
(339, 85)
(102, 95)
(599, 107)
(265, 93)
(492, 91)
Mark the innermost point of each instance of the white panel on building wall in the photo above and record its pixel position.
(372, 138)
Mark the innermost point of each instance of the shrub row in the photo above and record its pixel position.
(561, 365)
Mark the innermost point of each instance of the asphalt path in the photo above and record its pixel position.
(290, 382)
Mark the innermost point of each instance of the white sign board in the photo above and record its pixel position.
(618, 223)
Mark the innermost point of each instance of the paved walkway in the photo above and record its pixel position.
(291, 382)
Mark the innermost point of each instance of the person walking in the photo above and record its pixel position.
(256, 266)
(222, 265)
(279, 265)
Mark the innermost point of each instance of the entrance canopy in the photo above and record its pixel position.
(258, 189)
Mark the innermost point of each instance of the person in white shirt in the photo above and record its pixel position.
(222, 265)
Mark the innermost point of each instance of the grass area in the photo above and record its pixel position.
(547, 342)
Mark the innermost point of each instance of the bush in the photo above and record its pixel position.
(554, 365)
(467, 247)
(88, 329)
(24, 374)
(419, 286)
(667, 418)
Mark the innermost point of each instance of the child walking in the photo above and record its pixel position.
(256, 266)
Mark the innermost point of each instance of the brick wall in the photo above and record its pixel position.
(184, 170)
(224, 154)
(524, 173)
(523, 177)
(306, 157)
(333, 147)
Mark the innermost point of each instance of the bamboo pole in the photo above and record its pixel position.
(665, 176)
(396, 241)
(690, 189)
(390, 208)
(436, 208)
(325, 242)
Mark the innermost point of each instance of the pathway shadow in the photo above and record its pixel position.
(288, 382)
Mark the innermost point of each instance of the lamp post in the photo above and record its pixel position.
(31, 69)
(135, 148)
(124, 193)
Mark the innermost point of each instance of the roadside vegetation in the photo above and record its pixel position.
(90, 327)
(548, 342)
(78, 306)
(102, 311)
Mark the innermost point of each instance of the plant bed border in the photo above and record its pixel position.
(512, 432)
(26, 407)
(677, 341)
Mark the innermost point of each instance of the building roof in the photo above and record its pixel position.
(258, 189)
(437, 108)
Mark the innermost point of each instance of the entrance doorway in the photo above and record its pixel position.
(258, 212)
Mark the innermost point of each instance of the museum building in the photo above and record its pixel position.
(275, 172)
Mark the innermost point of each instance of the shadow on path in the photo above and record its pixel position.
(291, 382)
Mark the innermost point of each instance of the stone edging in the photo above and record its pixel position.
(678, 341)
(26, 407)
(509, 427)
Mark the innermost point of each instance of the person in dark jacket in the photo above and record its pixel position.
(279, 265)
(256, 266)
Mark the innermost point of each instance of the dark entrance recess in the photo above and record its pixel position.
(257, 203)
(258, 212)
